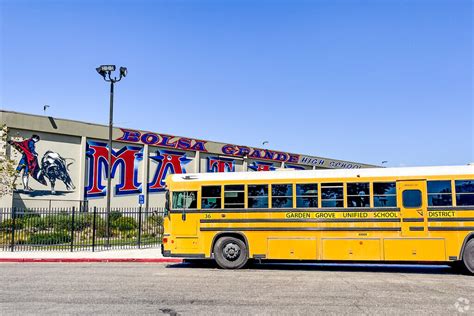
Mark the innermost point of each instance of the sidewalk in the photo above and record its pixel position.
(119, 255)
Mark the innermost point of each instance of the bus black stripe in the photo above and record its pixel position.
(381, 229)
(413, 220)
(287, 210)
(450, 208)
(442, 229)
(451, 219)
(301, 220)
(417, 228)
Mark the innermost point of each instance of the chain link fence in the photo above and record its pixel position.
(74, 229)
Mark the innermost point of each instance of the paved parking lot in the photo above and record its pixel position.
(138, 288)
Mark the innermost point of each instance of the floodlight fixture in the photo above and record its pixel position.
(123, 71)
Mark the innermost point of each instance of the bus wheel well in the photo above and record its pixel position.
(240, 236)
(466, 239)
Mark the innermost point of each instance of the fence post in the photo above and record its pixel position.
(107, 227)
(93, 228)
(72, 229)
(12, 246)
(139, 226)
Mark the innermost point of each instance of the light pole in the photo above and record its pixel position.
(105, 71)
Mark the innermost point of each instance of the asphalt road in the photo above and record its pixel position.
(137, 288)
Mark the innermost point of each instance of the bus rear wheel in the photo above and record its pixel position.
(468, 256)
(230, 253)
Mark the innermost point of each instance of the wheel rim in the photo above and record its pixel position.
(231, 251)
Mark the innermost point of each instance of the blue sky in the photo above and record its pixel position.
(364, 81)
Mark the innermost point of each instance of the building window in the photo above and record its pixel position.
(258, 196)
(282, 195)
(185, 200)
(385, 194)
(211, 197)
(307, 195)
(411, 198)
(332, 195)
(464, 192)
(234, 196)
(358, 194)
(439, 193)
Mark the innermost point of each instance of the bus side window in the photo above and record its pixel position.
(307, 195)
(234, 196)
(211, 197)
(178, 198)
(358, 194)
(282, 195)
(332, 195)
(411, 198)
(439, 193)
(184, 200)
(464, 192)
(258, 196)
(385, 194)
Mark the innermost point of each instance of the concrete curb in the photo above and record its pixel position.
(79, 260)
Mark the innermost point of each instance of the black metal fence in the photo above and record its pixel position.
(73, 229)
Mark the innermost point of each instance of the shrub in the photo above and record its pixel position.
(101, 227)
(49, 238)
(7, 224)
(28, 214)
(125, 223)
(155, 220)
(114, 215)
(39, 223)
(59, 222)
(64, 222)
(82, 221)
(101, 230)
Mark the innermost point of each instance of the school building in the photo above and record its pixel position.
(63, 163)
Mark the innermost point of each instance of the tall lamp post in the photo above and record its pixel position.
(106, 72)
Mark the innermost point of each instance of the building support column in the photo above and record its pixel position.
(197, 162)
(146, 174)
(83, 171)
(245, 164)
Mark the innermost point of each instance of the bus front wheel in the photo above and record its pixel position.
(230, 253)
(468, 256)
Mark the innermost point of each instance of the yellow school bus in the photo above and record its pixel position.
(417, 214)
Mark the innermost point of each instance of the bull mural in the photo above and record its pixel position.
(53, 166)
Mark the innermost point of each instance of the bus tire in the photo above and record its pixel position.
(230, 253)
(468, 256)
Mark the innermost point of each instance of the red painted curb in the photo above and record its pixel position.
(72, 260)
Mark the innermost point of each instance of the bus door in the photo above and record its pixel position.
(184, 205)
(412, 200)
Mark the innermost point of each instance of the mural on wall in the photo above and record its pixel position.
(162, 140)
(125, 165)
(216, 164)
(319, 162)
(261, 166)
(191, 144)
(53, 166)
(168, 162)
(256, 153)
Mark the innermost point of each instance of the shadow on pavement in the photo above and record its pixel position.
(339, 267)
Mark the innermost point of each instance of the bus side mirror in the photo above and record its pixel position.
(167, 203)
